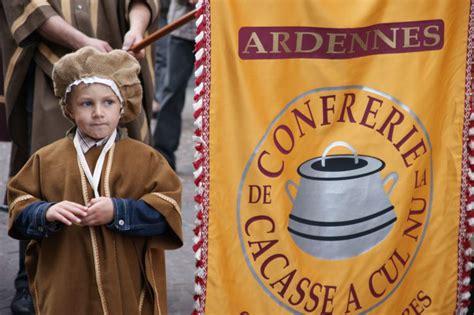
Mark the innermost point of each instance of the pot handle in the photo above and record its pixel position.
(287, 188)
(338, 144)
(394, 176)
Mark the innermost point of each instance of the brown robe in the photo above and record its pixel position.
(93, 270)
(21, 46)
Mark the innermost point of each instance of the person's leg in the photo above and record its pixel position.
(22, 303)
(179, 69)
(161, 52)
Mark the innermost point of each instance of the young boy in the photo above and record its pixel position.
(99, 207)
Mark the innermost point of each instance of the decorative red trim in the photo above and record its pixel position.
(198, 111)
(201, 163)
(199, 45)
(467, 180)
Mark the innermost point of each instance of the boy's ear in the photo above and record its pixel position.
(67, 111)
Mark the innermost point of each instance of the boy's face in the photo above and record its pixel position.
(95, 108)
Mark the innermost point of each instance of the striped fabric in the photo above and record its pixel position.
(88, 143)
(3, 118)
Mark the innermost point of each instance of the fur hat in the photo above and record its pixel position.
(117, 65)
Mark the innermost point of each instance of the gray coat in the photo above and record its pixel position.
(178, 8)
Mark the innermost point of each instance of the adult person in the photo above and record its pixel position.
(180, 66)
(161, 55)
(35, 34)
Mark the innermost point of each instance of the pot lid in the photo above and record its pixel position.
(340, 167)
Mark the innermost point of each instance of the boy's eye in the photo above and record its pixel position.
(86, 103)
(109, 102)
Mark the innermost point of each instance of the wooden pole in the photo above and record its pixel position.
(163, 31)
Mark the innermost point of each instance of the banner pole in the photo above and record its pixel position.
(163, 31)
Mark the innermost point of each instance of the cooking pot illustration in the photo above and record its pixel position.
(341, 208)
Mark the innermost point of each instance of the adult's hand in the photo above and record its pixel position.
(139, 16)
(57, 30)
(100, 45)
(132, 37)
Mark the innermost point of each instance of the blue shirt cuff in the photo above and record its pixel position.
(31, 222)
(136, 217)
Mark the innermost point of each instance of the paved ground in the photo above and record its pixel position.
(180, 263)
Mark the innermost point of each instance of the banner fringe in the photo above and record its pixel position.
(471, 160)
(201, 156)
(469, 252)
(466, 222)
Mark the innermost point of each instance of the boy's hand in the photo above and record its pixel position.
(67, 212)
(99, 212)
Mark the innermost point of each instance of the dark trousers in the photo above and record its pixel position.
(161, 56)
(179, 69)
(21, 280)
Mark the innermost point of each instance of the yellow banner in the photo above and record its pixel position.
(334, 169)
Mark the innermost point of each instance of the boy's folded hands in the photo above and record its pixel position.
(99, 211)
